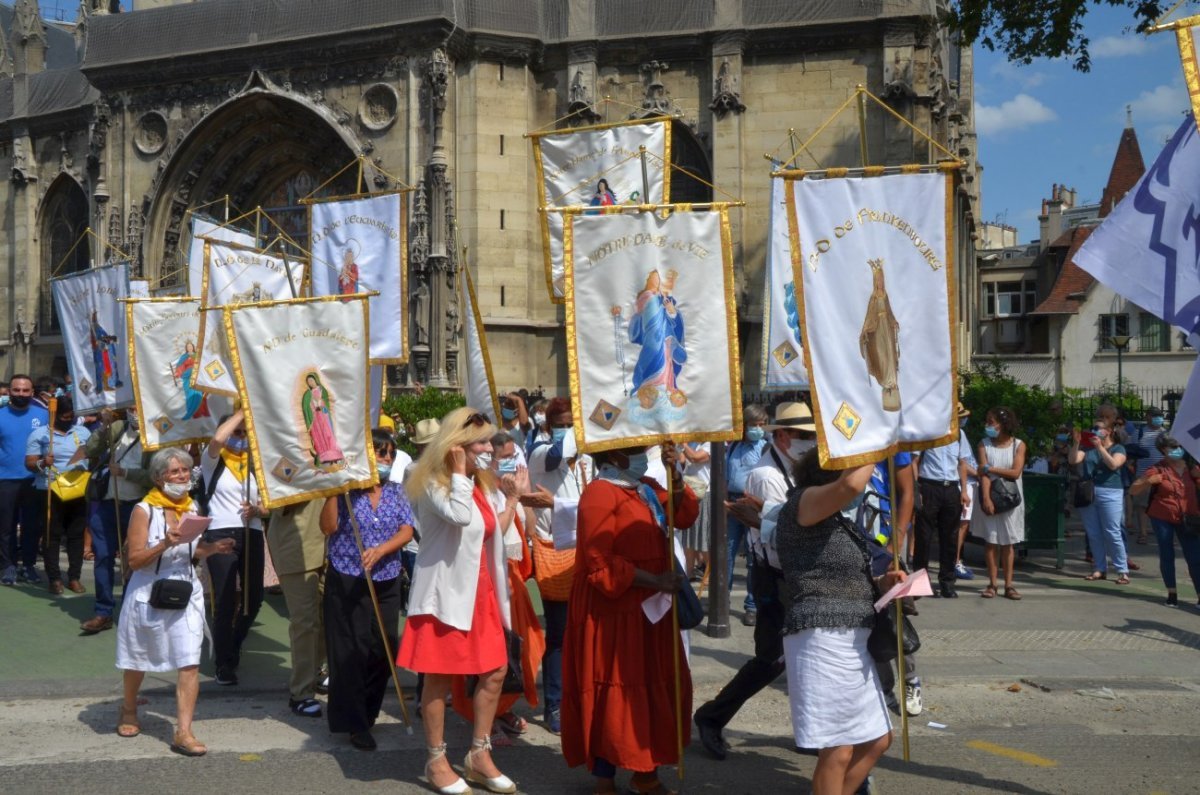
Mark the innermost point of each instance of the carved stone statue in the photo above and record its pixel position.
(420, 304)
(725, 95)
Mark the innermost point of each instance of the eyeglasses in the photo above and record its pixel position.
(475, 419)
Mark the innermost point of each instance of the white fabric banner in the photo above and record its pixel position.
(139, 288)
(301, 369)
(598, 168)
(875, 257)
(164, 335)
(360, 245)
(652, 329)
(378, 392)
(236, 275)
(204, 228)
(1145, 250)
(479, 385)
(782, 353)
(93, 329)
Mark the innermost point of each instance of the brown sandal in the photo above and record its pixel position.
(187, 745)
(128, 726)
(1012, 593)
(988, 592)
(1122, 580)
(1096, 575)
(649, 786)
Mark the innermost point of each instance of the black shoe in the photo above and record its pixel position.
(948, 592)
(363, 741)
(711, 739)
(892, 703)
(749, 618)
(226, 676)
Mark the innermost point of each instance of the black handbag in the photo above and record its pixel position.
(1005, 494)
(169, 594)
(1191, 526)
(881, 643)
(691, 611)
(514, 677)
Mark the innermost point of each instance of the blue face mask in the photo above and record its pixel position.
(558, 434)
(1157, 422)
(1175, 452)
(384, 470)
(1062, 437)
(508, 414)
(3, 400)
(639, 465)
(507, 466)
(992, 431)
(237, 444)
(755, 434)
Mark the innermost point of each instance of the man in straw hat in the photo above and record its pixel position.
(793, 433)
(942, 483)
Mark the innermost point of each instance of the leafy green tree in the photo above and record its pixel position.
(409, 408)
(1027, 29)
(989, 385)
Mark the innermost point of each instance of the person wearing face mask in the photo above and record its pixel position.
(514, 418)
(18, 499)
(1170, 488)
(1001, 455)
(155, 639)
(230, 496)
(1102, 519)
(1148, 455)
(359, 668)
(618, 676)
(740, 458)
(114, 455)
(961, 572)
(942, 485)
(459, 607)
(558, 472)
(46, 458)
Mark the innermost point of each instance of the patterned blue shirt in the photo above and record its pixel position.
(742, 457)
(376, 526)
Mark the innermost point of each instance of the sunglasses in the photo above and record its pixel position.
(475, 419)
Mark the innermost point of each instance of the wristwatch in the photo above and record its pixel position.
(985, 469)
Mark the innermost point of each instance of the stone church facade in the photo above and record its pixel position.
(123, 123)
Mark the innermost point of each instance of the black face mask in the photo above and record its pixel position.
(64, 425)
(19, 401)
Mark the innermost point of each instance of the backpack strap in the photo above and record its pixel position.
(209, 487)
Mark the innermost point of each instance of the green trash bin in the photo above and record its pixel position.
(1045, 498)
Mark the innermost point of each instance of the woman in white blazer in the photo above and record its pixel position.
(459, 603)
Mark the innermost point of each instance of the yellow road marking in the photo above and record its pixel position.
(1012, 753)
(249, 758)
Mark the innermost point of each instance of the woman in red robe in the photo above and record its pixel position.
(618, 668)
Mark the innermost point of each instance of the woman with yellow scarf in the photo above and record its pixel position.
(154, 639)
(229, 495)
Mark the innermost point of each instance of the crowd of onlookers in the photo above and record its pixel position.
(452, 537)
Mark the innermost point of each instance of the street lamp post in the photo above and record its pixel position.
(1121, 343)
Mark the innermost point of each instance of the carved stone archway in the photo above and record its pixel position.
(244, 149)
(62, 221)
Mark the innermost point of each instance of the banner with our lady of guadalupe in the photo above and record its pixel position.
(233, 275)
(164, 336)
(598, 166)
(783, 349)
(302, 374)
(360, 244)
(91, 316)
(652, 346)
(873, 257)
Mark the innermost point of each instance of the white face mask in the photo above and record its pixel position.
(483, 461)
(175, 491)
(798, 447)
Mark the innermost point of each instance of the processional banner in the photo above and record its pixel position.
(91, 316)
(480, 385)
(360, 244)
(874, 261)
(378, 392)
(302, 369)
(204, 229)
(234, 275)
(783, 351)
(652, 345)
(597, 167)
(164, 336)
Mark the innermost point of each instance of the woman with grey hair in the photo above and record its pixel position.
(161, 639)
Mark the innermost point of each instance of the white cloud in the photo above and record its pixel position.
(1159, 104)
(1119, 46)
(1023, 76)
(1016, 114)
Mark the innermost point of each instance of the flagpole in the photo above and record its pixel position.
(246, 539)
(49, 494)
(893, 501)
(675, 638)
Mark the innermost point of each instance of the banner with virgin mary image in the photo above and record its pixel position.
(360, 244)
(302, 375)
(783, 351)
(479, 386)
(598, 166)
(652, 346)
(164, 336)
(235, 275)
(873, 257)
(204, 229)
(91, 317)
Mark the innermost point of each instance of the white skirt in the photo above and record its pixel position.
(149, 639)
(833, 688)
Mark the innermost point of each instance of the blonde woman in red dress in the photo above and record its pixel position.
(459, 604)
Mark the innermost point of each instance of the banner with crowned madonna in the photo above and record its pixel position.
(479, 386)
(597, 166)
(783, 351)
(873, 257)
(235, 275)
(652, 345)
(360, 244)
(91, 316)
(205, 229)
(164, 336)
(302, 373)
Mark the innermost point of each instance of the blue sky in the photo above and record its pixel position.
(1047, 123)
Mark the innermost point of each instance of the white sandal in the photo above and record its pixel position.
(501, 783)
(457, 787)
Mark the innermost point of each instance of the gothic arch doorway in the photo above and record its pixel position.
(689, 153)
(64, 219)
(260, 150)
